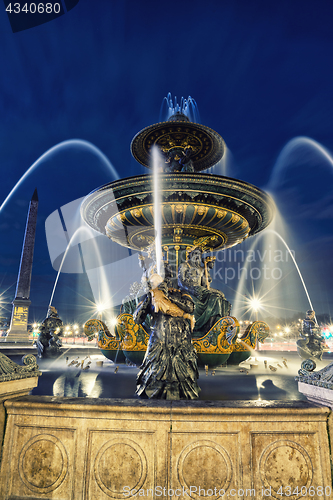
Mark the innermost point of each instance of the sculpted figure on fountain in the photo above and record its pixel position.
(311, 344)
(210, 304)
(169, 369)
(179, 160)
(48, 342)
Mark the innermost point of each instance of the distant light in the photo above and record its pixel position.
(100, 307)
(113, 321)
(255, 304)
(287, 330)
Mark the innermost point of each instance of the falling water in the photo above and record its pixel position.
(105, 290)
(294, 261)
(157, 209)
(286, 154)
(56, 149)
(241, 284)
(223, 166)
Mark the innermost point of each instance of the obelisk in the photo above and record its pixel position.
(18, 331)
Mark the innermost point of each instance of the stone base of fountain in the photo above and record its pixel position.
(105, 448)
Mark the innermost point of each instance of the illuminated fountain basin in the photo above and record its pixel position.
(193, 206)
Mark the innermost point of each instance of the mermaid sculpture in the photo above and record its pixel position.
(169, 369)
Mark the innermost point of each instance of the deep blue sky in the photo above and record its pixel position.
(261, 73)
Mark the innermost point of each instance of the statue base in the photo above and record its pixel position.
(247, 449)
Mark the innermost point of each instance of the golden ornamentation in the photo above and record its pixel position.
(134, 337)
(205, 243)
(216, 340)
(221, 213)
(177, 238)
(105, 339)
(230, 228)
(257, 330)
(137, 212)
(166, 249)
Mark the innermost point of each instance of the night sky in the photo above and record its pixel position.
(261, 74)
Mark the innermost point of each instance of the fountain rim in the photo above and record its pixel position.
(175, 175)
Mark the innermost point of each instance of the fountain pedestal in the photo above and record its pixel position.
(243, 447)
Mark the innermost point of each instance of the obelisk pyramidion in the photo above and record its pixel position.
(18, 331)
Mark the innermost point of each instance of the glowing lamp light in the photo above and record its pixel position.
(255, 304)
(100, 308)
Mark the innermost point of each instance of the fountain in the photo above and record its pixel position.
(233, 448)
(199, 213)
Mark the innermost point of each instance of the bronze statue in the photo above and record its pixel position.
(169, 369)
(210, 304)
(48, 342)
(311, 344)
(178, 159)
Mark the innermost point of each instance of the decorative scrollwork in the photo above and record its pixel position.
(309, 365)
(105, 339)
(220, 338)
(11, 371)
(257, 330)
(133, 336)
